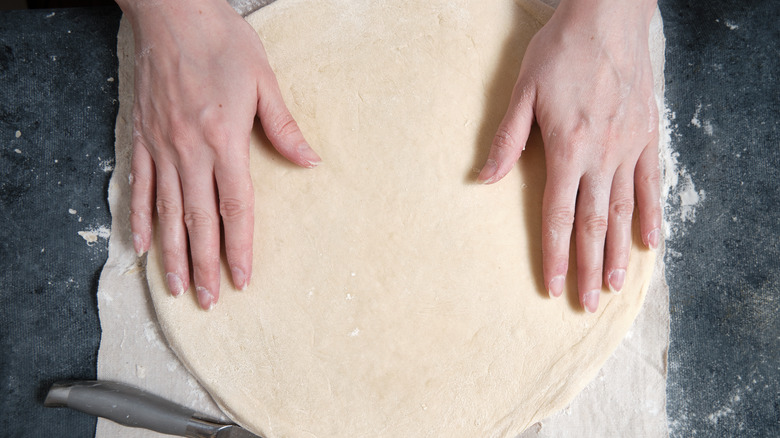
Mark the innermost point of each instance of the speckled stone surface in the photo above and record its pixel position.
(722, 264)
(723, 267)
(57, 112)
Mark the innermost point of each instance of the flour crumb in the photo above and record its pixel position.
(140, 371)
(689, 199)
(106, 165)
(708, 128)
(731, 25)
(72, 211)
(111, 79)
(695, 119)
(18, 151)
(18, 134)
(51, 15)
(354, 333)
(92, 235)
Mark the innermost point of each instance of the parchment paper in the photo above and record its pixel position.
(627, 398)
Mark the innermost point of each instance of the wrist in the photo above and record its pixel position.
(638, 12)
(161, 9)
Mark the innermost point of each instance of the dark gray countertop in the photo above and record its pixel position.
(57, 110)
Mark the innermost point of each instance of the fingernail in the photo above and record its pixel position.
(138, 245)
(591, 301)
(308, 154)
(205, 298)
(616, 279)
(488, 172)
(555, 288)
(654, 238)
(239, 278)
(175, 285)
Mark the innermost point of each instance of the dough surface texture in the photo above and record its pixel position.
(392, 295)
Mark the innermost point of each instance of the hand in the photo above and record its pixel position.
(201, 76)
(586, 78)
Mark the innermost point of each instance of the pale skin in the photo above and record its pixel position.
(196, 98)
(585, 80)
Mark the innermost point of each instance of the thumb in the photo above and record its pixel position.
(511, 136)
(280, 126)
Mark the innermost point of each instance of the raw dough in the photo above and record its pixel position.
(392, 295)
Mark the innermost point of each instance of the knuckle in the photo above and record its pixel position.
(594, 224)
(622, 209)
(139, 216)
(172, 255)
(559, 218)
(503, 140)
(589, 271)
(233, 208)
(139, 180)
(215, 133)
(168, 209)
(197, 219)
(651, 178)
(181, 137)
(206, 268)
(283, 125)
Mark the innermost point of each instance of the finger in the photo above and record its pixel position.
(279, 125)
(202, 221)
(511, 136)
(236, 207)
(618, 244)
(173, 235)
(591, 225)
(648, 193)
(142, 184)
(560, 193)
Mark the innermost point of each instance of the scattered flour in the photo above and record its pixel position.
(708, 128)
(689, 199)
(706, 124)
(725, 411)
(107, 165)
(18, 134)
(92, 235)
(695, 119)
(679, 195)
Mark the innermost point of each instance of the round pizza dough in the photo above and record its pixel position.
(392, 294)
